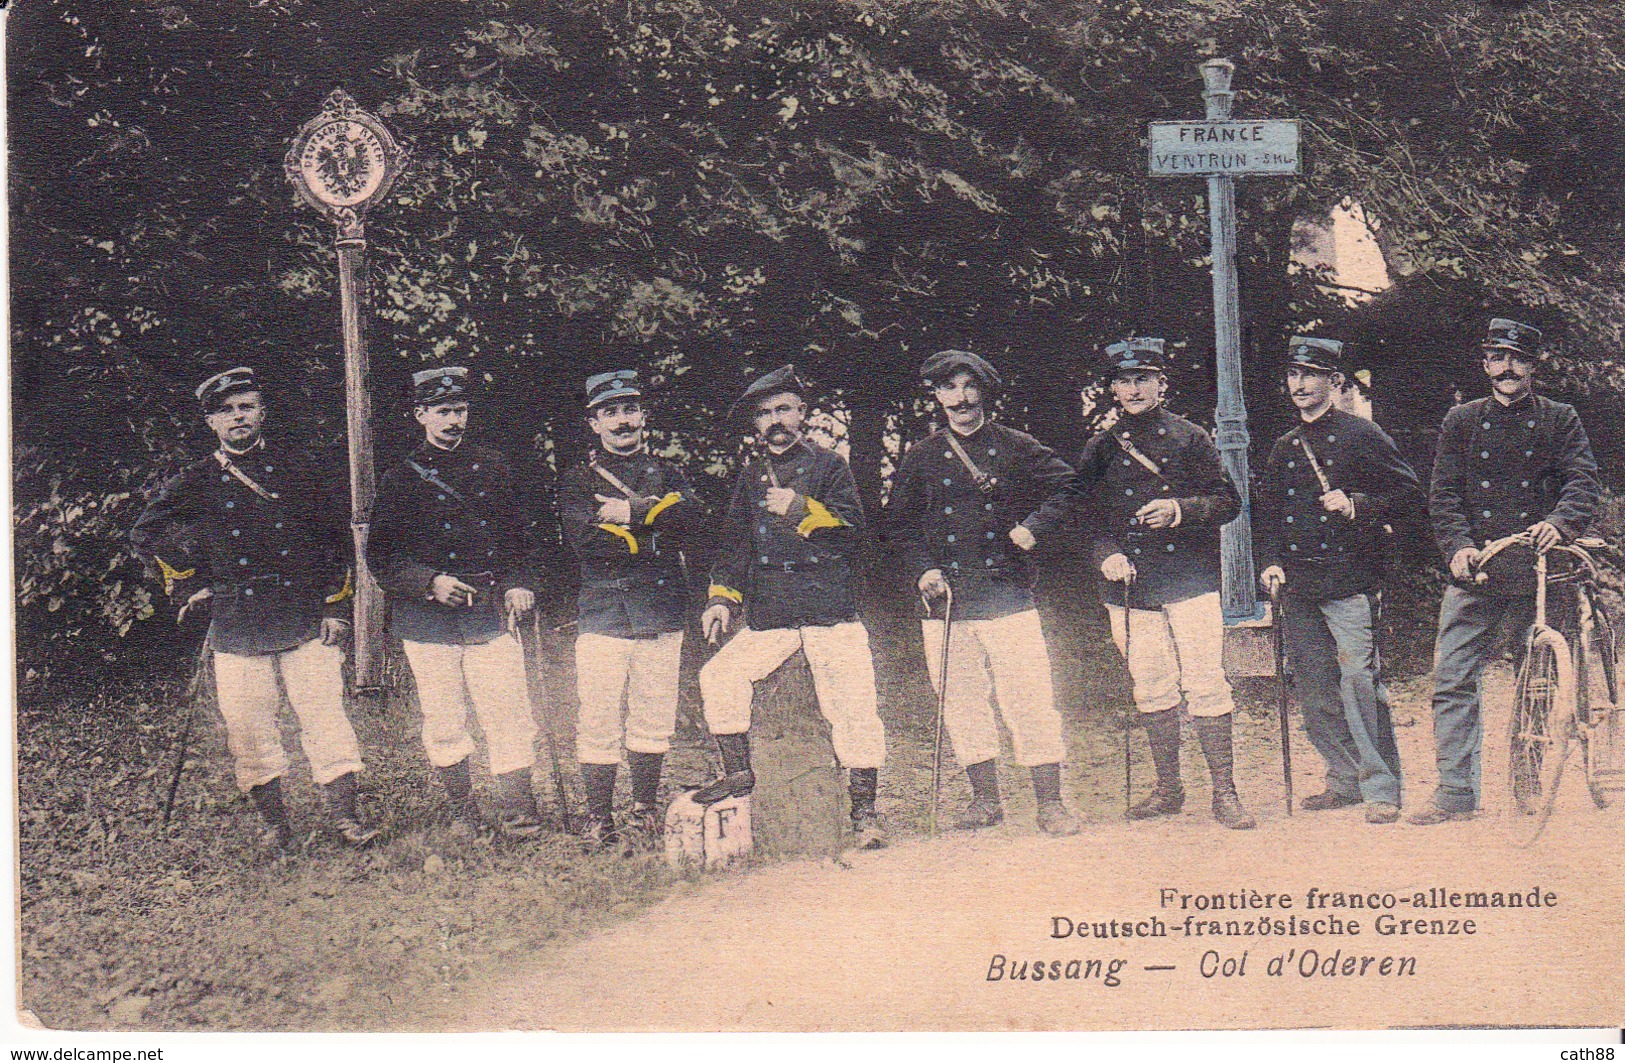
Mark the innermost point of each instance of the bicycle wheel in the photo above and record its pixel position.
(1542, 722)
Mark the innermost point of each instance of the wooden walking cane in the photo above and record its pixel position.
(530, 643)
(194, 693)
(1281, 675)
(1128, 717)
(942, 700)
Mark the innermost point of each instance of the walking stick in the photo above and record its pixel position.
(1281, 674)
(194, 692)
(530, 643)
(942, 700)
(1128, 717)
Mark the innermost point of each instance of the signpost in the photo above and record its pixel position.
(342, 162)
(1222, 149)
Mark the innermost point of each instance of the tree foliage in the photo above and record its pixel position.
(710, 188)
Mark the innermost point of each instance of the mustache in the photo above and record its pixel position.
(1510, 374)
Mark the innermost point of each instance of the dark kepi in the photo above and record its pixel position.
(615, 384)
(214, 390)
(940, 368)
(442, 384)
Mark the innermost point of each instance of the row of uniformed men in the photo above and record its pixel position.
(448, 547)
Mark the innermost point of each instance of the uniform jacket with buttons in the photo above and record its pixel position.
(794, 570)
(276, 566)
(938, 518)
(632, 579)
(1171, 564)
(1501, 468)
(1328, 555)
(419, 531)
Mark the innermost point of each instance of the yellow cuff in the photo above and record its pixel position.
(172, 576)
(346, 591)
(616, 529)
(717, 590)
(818, 516)
(661, 506)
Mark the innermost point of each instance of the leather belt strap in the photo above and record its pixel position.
(243, 478)
(1309, 452)
(1138, 455)
(610, 478)
(428, 476)
(984, 482)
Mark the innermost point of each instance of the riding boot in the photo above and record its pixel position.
(339, 796)
(1214, 734)
(1162, 734)
(868, 830)
(454, 779)
(737, 778)
(267, 797)
(517, 815)
(599, 828)
(646, 817)
(1054, 817)
(985, 809)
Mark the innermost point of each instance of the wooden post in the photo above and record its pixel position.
(341, 162)
(369, 605)
(1236, 538)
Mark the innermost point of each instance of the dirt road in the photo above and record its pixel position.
(929, 934)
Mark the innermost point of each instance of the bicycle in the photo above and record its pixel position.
(1555, 707)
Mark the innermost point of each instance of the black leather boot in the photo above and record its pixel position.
(1054, 818)
(598, 830)
(985, 809)
(341, 813)
(647, 819)
(1162, 734)
(868, 829)
(517, 815)
(454, 779)
(737, 778)
(278, 835)
(1214, 734)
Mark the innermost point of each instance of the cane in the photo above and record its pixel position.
(530, 643)
(194, 693)
(942, 698)
(1128, 717)
(1281, 674)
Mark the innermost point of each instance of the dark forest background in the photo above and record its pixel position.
(710, 188)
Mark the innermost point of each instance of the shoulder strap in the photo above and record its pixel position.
(1302, 440)
(609, 477)
(1138, 455)
(983, 480)
(429, 477)
(243, 478)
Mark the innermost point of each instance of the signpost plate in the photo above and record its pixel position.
(1232, 148)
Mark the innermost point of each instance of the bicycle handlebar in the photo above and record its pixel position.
(1523, 538)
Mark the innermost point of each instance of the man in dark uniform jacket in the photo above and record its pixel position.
(1325, 492)
(785, 566)
(626, 514)
(954, 514)
(449, 546)
(272, 551)
(1159, 496)
(1512, 462)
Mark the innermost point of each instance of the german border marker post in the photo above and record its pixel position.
(1221, 149)
(342, 162)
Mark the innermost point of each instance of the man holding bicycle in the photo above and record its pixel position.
(1508, 463)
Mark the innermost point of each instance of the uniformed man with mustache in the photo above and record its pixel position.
(273, 554)
(785, 570)
(1159, 495)
(449, 545)
(1510, 462)
(627, 515)
(955, 514)
(1324, 494)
